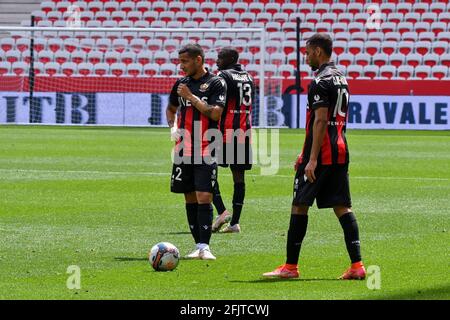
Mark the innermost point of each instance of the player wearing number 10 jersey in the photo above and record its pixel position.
(322, 167)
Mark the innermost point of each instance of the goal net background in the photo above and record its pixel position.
(120, 76)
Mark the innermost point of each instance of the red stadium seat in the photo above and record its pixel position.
(100, 69)
(362, 59)
(78, 56)
(387, 71)
(422, 47)
(414, 59)
(439, 72)
(355, 47)
(354, 71)
(288, 8)
(68, 69)
(397, 59)
(168, 69)
(62, 56)
(95, 57)
(118, 69)
(405, 47)
(380, 59)
(405, 72)
(51, 68)
(128, 58)
(112, 57)
(439, 47)
(370, 71)
(144, 57)
(346, 59)
(134, 69)
(431, 59)
(256, 7)
(445, 59)
(19, 68)
(423, 72)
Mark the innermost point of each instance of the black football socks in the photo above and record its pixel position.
(351, 235)
(238, 202)
(296, 233)
(217, 200)
(205, 217)
(192, 213)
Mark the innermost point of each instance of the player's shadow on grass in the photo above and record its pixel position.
(270, 280)
(128, 259)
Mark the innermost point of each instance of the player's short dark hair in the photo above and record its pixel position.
(193, 50)
(321, 40)
(230, 53)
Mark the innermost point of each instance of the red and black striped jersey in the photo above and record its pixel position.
(208, 88)
(240, 96)
(329, 89)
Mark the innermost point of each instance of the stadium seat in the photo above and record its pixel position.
(253, 70)
(422, 47)
(159, 6)
(137, 45)
(338, 8)
(354, 71)
(355, 47)
(329, 17)
(68, 68)
(405, 47)
(117, 69)
(167, 16)
(444, 17)
(19, 68)
(245, 58)
(289, 46)
(95, 57)
(423, 72)
(175, 6)
(256, 7)
(144, 7)
(133, 17)
(161, 57)
(412, 17)
(404, 7)
(444, 36)
(47, 6)
(112, 57)
(286, 71)
(7, 44)
(78, 56)
(62, 56)
(154, 44)
(288, 8)
(5, 68)
(362, 59)
(270, 71)
(224, 7)
(346, 59)
(372, 47)
(240, 7)
(405, 72)
(380, 59)
(431, 59)
(168, 69)
(387, 71)
(277, 58)
(373, 36)
(22, 44)
(119, 45)
(445, 59)
(414, 59)
(355, 8)
(437, 27)
(95, 6)
(370, 71)
(86, 44)
(134, 69)
(439, 47)
(305, 8)
(439, 72)
(437, 7)
(44, 56)
(343, 36)
(127, 58)
(51, 68)
(199, 17)
(420, 27)
(395, 17)
(144, 57)
(171, 45)
(280, 17)
(427, 36)
(206, 7)
(54, 16)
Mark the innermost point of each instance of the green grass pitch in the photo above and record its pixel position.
(99, 198)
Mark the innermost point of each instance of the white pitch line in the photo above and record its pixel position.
(136, 173)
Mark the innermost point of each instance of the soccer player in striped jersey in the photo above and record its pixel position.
(235, 125)
(198, 100)
(322, 167)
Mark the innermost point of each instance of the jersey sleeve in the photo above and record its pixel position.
(173, 98)
(218, 94)
(321, 95)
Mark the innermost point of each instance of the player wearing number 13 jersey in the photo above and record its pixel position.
(322, 167)
(235, 125)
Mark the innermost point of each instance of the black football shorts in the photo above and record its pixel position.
(240, 159)
(330, 189)
(193, 177)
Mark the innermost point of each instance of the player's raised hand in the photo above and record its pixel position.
(184, 91)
